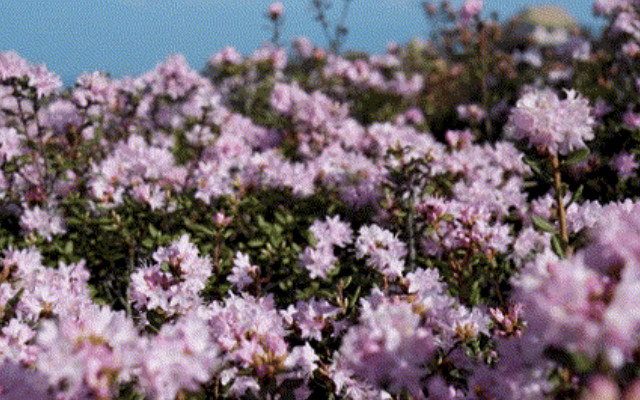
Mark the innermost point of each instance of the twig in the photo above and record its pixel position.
(560, 211)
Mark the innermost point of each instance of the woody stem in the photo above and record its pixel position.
(560, 210)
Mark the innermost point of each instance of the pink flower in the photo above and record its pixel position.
(44, 222)
(605, 7)
(332, 231)
(243, 273)
(303, 46)
(181, 356)
(550, 124)
(312, 317)
(631, 119)
(38, 77)
(303, 358)
(390, 348)
(228, 55)
(470, 9)
(10, 143)
(471, 112)
(459, 139)
(276, 10)
(384, 251)
(88, 350)
(319, 261)
(625, 164)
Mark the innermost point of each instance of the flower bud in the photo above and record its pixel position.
(276, 10)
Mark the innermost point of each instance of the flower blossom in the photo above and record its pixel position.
(275, 10)
(384, 251)
(550, 124)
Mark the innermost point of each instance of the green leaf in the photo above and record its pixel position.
(534, 165)
(355, 297)
(197, 227)
(68, 248)
(576, 195)
(576, 362)
(153, 231)
(556, 246)
(578, 156)
(10, 307)
(542, 224)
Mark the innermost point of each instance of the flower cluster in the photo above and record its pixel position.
(550, 124)
(321, 225)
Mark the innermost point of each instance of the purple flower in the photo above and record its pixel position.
(38, 77)
(332, 231)
(605, 7)
(312, 318)
(459, 139)
(243, 272)
(10, 143)
(584, 303)
(45, 223)
(90, 351)
(303, 46)
(625, 164)
(471, 112)
(275, 10)
(470, 9)
(550, 124)
(383, 250)
(173, 284)
(182, 356)
(173, 78)
(319, 261)
(303, 358)
(631, 119)
(390, 348)
(228, 55)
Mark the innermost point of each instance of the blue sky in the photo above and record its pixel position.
(128, 37)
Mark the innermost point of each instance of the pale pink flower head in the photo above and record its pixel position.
(631, 119)
(332, 231)
(471, 112)
(276, 10)
(221, 219)
(606, 7)
(180, 358)
(319, 261)
(383, 250)
(173, 78)
(632, 49)
(471, 9)
(243, 273)
(601, 387)
(229, 55)
(10, 143)
(550, 124)
(45, 222)
(12, 66)
(389, 348)
(459, 139)
(89, 351)
(303, 46)
(625, 164)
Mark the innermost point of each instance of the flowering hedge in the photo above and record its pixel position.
(453, 219)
